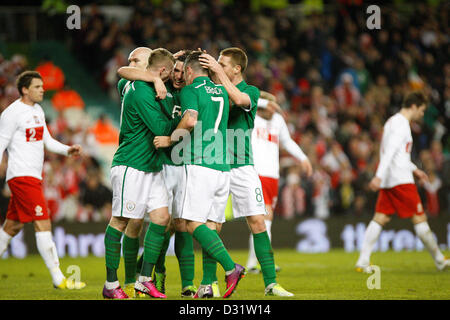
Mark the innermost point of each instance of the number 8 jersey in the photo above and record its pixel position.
(23, 133)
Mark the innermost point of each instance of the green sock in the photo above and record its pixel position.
(264, 254)
(184, 250)
(209, 268)
(112, 252)
(211, 243)
(153, 243)
(139, 264)
(160, 264)
(130, 251)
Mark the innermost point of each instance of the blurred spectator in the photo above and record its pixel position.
(51, 74)
(432, 187)
(95, 198)
(347, 94)
(293, 196)
(104, 131)
(321, 196)
(67, 98)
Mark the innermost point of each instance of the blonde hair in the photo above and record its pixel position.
(160, 57)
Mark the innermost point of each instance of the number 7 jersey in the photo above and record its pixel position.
(23, 132)
(208, 138)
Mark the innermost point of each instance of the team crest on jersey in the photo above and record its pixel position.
(36, 119)
(130, 206)
(38, 211)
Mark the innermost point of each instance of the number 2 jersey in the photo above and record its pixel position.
(395, 167)
(23, 133)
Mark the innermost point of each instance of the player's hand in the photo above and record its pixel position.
(162, 142)
(421, 175)
(178, 54)
(160, 88)
(375, 184)
(75, 150)
(307, 167)
(208, 62)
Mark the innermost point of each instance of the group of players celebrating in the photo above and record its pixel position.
(192, 100)
(185, 146)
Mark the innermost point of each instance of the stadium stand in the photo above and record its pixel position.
(336, 81)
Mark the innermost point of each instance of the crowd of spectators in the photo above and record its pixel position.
(337, 80)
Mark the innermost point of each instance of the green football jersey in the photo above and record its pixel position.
(141, 120)
(241, 123)
(208, 142)
(172, 114)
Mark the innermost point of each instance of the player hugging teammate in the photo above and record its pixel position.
(183, 179)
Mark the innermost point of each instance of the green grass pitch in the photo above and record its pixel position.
(404, 275)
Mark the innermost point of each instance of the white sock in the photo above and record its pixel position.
(112, 285)
(370, 238)
(144, 279)
(423, 231)
(252, 260)
(47, 250)
(5, 239)
(269, 228)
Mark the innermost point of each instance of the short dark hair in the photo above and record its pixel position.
(192, 60)
(417, 97)
(24, 79)
(182, 57)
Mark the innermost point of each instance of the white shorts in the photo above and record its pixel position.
(206, 194)
(136, 193)
(175, 180)
(246, 192)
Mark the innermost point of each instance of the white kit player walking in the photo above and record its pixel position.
(395, 182)
(24, 133)
(269, 133)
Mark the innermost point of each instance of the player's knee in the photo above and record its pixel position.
(381, 219)
(12, 228)
(160, 216)
(418, 218)
(256, 223)
(134, 227)
(119, 223)
(180, 225)
(42, 225)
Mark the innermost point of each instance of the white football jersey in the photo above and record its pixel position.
(267, 136)
(395, 167)
(23, 132)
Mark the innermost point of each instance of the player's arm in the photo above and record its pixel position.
(55, 146)
(189, 109)
(238, 97)
(268, 96)
(8, 126)
(391, 146)
(183, 129)
(133, 74)
(294, 149)
(150, 112)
